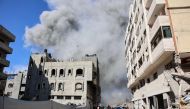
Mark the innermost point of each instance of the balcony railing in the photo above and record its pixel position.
(6, 48)
(4, 62)
(156, 9)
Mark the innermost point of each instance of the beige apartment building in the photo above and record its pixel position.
(5, 38)
(158, 31)
(66, 82)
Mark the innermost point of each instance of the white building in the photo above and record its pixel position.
(15, 85)
(150, 52)
(66, 82)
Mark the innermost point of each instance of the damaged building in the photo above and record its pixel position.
(158, 52)
(66, 82)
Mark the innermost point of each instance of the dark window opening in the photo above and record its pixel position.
(61, 72)
(9, 93)
(52, 86)
(46, 73)
(10, 85)
(53, 72)
(166, 32)
(29, 77)
(60, 86)
(43, 85)
(142, 82)
(148, 80)
(77, 97)
(59, 97)
(67, 97)
(41, 60)
(40, 72)
(31, 63)
(79, 72)
(69, 72)
(155, 76)
(52, 97)
(157, 38)
(38, 86)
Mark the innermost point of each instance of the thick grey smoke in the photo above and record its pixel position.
(74, 28)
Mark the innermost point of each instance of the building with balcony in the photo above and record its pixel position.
(66, 82)
(5, 38)
(15, 85)
(156, 30)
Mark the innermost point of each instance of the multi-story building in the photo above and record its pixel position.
(15, 85)
(66, 82)
(157, 29)
(5, 38)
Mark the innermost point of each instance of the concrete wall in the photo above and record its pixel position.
(9, 103)
(180, 14)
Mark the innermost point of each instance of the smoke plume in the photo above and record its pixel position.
(73, 28)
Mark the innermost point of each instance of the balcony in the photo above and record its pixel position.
(4, 62)
(163, 50)
(5, 48)
(7, 34)
(156, 8)
(160, 21)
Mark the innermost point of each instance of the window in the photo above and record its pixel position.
(142, 82)
(69, 72)
(31, 63)
(9, 93)
(43, 85)
(46, 73)
(38, 86)
(61, 72)
(10, 85)
(148, 80)
(67, 97)
(79, 72)
(59, 97)
(166, 32)
(77, 97)
(157, 38)
(40, 72)
(78, 86)
(41, 60)
(52, 86)
(60, 87)
(53, 72)
(155, 76)
(52, 97)
(29, 77)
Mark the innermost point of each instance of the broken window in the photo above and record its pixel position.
(53, 72)
(79, 72)
(78, 86)
(60, 86)
(61, 72)
(10, 85)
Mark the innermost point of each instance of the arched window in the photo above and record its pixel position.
(60, 86)
(53, 72)
(79, 72)
(61, 72)
(78, 86)
(52, 86)
(69, 72)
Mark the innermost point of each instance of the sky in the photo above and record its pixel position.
(15, 15)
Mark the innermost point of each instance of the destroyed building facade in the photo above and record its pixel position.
(66, 82)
